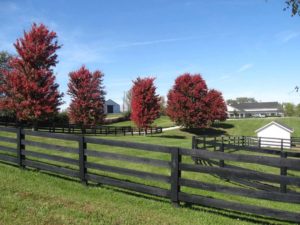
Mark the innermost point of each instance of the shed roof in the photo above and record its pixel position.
(283, 126)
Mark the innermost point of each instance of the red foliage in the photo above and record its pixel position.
(191, 105)
(145, 106)
(87, 96)
(29, 88)
(216, 105)
(186, 101)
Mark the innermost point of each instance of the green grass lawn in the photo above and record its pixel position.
(163, 121)
(36, 198)
(247, 127)
(114, 115)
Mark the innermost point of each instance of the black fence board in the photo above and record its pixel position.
(8, 129)
(125, 144)
(8, 149)
(217, 203)
(264, 150)
(8, 158)
(263, 160)
(128, 185)
(51, 168)
(268, 195)
(51, 146)
(129, 172)
(8, 139)
(128, 158)
(68, 137)
(236, 173)
(50, 157)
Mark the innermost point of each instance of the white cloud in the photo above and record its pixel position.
(286, 36)
(152, 42)
(245, 67)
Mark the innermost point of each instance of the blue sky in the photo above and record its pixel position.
(240, 47)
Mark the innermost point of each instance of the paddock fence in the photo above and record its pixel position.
(171, 174)
(92, 130)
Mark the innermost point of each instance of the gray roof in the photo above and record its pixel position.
(110, 102)
(256, 105)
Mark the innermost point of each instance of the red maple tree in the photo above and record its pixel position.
(28, 88)
(87, 97)
(186, 104)
(145, 105)
(217, 106)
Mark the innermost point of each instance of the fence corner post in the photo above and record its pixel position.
(175, 176)
(20, 147)
(82, 160)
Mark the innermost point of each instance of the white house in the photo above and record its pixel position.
(273, 133)
(111, 107)
(256, 109)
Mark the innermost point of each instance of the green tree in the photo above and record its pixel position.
(289, 109)
(297, 110)
(240, 100)
(293, 5)
(4, 62)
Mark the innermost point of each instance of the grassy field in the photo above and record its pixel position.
(31, 198)
(163, 121)
(248, 126)
(239, 127)
(114, 115)
(38, 198)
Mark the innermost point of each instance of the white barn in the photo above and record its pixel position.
(273, 133)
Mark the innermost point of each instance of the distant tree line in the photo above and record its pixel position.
(291, 109)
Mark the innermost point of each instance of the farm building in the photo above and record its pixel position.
(257, 109)
(112, 107)
(275, 134)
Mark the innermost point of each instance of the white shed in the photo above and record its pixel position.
(273, 133)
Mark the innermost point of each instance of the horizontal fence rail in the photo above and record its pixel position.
(87, 160)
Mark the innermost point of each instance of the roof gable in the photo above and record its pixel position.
(282, 126)
(110, 102)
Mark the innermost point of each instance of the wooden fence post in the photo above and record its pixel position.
(20, 146)
(221, 163)
(82, 159)
(175, 175)
(194, 142)
(283, 170)
(204, 142)
(215, 143)
(259, 142)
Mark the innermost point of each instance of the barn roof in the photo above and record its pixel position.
(283, 126)
(110, 102)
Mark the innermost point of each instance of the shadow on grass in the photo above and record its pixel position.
(205, 131)
(170, 136)
(222, 125)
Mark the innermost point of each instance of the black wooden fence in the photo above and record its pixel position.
(82, 160)
(250, 141)
(93, 130)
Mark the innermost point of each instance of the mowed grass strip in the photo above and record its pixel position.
(29, 197)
